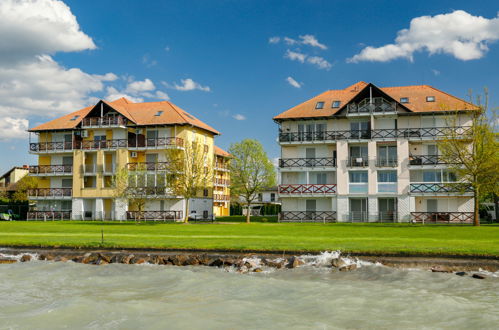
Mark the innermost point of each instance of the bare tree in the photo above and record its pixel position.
(131, 186)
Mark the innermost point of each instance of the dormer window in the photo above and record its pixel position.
(336, 104)
(319, 105)
(430, 99)
(75, 117)
(404, 100)
(158, 113)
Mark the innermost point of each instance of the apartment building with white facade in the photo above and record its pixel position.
(370, 154)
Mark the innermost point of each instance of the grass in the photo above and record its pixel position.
(359, 238)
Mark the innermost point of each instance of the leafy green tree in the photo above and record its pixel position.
(22, 186)
(474, 157)
(251, 171)
(131, 186)
(189, 171)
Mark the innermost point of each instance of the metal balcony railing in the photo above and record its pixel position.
(358, 162)
(50, 169)
(442, 217)
(221, 198)
(307, 162)
(148, 166)
(364, 216)
(149, 191)
(307, 216)
(154, 215)
(51, 146)
(440, 187)
(378, 106)
(49, 192)
(49, 215)
(427, 160)
(155, 142)
(221, 182)
(106, 121)
(307, 189)
(386, 162)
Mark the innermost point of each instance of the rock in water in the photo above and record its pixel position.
(461, 273)
(295, 262)
(25, 258)
(345, 268)
(441, 269)
(479, 276)
(257, 270)
(7, 261)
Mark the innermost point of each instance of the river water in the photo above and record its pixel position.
(56, 295)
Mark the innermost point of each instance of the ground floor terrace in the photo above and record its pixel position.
(377, 208)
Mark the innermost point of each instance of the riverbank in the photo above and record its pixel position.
(355, 239)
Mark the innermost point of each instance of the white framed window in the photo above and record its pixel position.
(404, 100)
(430, 99)
(336, 104)
(319, 105)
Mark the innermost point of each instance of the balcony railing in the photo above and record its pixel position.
(221, 198)
(378, 106)
(221, 182)
(364, 216)
(307, 189)
(148, 166)
(386, 162)
(407, 133)
(307, 162)
(105, 144)
(89, 168)
(108, 121)
(51, 169)
(307, 216)
(154, 215)
(149, 191)
(442, 217)
(442, 187)
(49, 215)
(109, 168)
(426, 160)
(50, 192)
(358, 162)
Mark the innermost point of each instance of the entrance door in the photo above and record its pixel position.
(358, 209)
(311, 207)
(310, 132)
(310, 156)
(387, 208)
(68, 141)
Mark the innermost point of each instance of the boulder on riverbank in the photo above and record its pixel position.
(25, 258)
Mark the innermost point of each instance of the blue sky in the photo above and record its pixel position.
(215, 58)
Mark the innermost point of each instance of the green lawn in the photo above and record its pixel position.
(385, 238)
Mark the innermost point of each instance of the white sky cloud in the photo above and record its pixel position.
(239, 116)
(306, 39)
(188, 85)
(459, 34)
(274, 40)
(435, 72)
(114, 94)
(318, 61)
(295, 56)
(12, 128)
(293, 82)
(136, 87)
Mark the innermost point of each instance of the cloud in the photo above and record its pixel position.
(162, 95)
(435, 72)
(114, 94)
(293, 82)
(136, 91)
(13, 128)
(295, 56)
(274, 40)
(148, 61)
(318, 61)
(459, 34)
(238, 116)
(136, 87)
(307, 39)
(188, 85)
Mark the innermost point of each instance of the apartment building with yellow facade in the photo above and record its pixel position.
(79, 154)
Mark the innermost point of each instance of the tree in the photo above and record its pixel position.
(474, 157)
(189, 171)
(22, 186)
(251, 171)
(131, 186)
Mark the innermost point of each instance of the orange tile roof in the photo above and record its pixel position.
(220, 152)
(139, 113)
(416, 94)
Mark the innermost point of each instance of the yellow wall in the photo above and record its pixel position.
(43, 160)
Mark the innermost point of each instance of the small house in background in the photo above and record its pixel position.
(266, 203)
(9, 179)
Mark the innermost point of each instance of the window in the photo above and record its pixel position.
(272, 197)
(75, 117)
(358, 177)
(430, 99)
(158, 113)
(319, 105)
(387, 176)
(205, 192)
(404, 100)
(336, 104)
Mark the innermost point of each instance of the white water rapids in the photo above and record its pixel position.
(56, 295)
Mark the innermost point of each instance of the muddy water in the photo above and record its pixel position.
(55, 295)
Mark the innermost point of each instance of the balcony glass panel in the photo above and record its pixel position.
(358, 188)
(387, 187)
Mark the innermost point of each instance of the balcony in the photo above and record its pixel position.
(441, 187)
(221, 198)
(49, 215)
(358, 162)
(89, 169)
(375, 106)
(43, 170)
(54, 147)
(307, 216)
(50, 193)
(307, 162)
(221, 182)
(306, 137)
(420, 133)
(148, 166)
(222, 167)
(150, 192)
(109, 168)
(442, 217)
(306, 189)
(107, 121)
(363, 216)
(154, 215)
(385, 162)
(427, 160)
